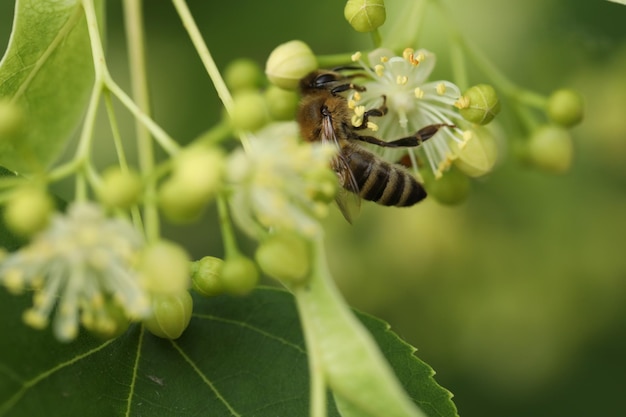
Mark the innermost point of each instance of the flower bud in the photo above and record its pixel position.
(11, 119)
(550, 148)
(284, 256)
(239, 275)
(565, 107)
(164, 268)
(288, 63)
(452, 188)
(119, 189)
(365, 15)
(479, 104)
(178, 205)
(206, 276)
(249, 111)
(196, 178)
(28, 211)
(282, 104)
(243, 74)
(171, 314)
(478, 154)
(200, 169)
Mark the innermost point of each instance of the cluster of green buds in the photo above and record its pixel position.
(550, 145)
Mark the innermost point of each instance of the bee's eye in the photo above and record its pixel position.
(323, 79)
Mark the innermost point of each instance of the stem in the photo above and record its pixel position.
(459, 68)
(376, 38)
(330, 61)
(115, 131)
(215, 134)
(208, 62)
(139, 84)
(203, 51)
(167, 143)
(228, 235)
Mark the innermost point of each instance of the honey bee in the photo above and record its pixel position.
(324, 116)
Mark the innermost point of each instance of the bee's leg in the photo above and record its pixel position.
(420, 136)
(377, 112)
(345, 87)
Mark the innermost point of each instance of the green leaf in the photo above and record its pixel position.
(47, 71)
(239, 357)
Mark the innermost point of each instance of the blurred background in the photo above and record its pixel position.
(515, 297)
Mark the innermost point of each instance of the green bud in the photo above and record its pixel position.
(164, 267)
(452, 188)
(28, 211)
(282, 104)
(196, 178)
(288, 63)
(171, 314)
(11, 119)
(239, 275)
(120, 189)
(243, 74)
(479, 104)
(365, 15)
(550, 148)
(178, 205)
(565, 107)
(284, 256)
(478, 154)
(200, 169)
(206, 276)
(249, 111)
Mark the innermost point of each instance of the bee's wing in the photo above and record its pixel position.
(347, 197)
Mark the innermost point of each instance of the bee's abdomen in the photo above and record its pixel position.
(384, 183)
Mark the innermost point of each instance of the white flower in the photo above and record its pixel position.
(413, 102)
(281, 182)
(81, 263)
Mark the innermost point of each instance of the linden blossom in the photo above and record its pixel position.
(412, 102)
(281, 183)
(81, 264)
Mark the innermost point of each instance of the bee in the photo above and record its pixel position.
(324, 116)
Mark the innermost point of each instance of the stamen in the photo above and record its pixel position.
(402, 79)
(408, 55)
(384, 59)
(462, 103)
(356, 56)
(35, 319)
(441, 89)
(372, 126)
(379, 69)
(419, 93)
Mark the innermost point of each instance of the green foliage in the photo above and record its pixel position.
(47, 70)
(140, 374)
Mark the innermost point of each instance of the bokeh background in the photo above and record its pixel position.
(515, 297)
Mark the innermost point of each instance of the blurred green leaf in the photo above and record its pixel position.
(8, 240)
(239, 356)
(47, 71)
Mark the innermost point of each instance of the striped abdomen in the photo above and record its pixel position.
(380, 181)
